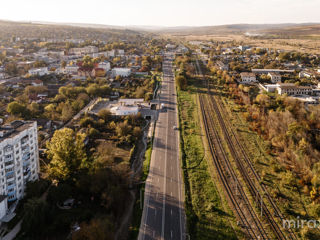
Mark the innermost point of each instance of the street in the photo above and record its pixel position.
(163, 214)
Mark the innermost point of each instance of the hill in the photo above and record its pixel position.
(275, 29)
(55, 30)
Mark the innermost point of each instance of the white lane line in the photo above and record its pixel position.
(171, 212)
(158, 180)
(165, 182)
(171, 233)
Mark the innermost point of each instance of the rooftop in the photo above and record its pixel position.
(14, 128)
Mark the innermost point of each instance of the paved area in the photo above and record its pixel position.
(163, 214)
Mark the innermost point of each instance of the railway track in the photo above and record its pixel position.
(233, 188)
(248, 166)
(253, 181)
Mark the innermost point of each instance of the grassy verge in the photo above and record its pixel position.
(207, 216)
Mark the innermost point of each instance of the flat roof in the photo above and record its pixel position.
(14, 128)
(271, 70)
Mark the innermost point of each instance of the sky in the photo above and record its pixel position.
(162, 12)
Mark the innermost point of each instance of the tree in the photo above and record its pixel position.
(123, 129)
(105, 114)
(36, 213)
(11, 69)
(63, 64)
(96, 229)
(181, 82)
(67, 154)
(16, 109)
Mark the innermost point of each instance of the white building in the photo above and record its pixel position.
(275, 77)
(3, 205)
(39, 71)
(305, 74)
(72, 70)
(292, 89)
(19, 158)
(105, 65)
(248, 77)
(124, 110)
(84, 50)
(123, 72)
(120, 52)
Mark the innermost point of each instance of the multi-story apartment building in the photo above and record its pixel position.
(19, 158)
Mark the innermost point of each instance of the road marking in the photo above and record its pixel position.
(171, 233)
(158, 180)
(171, 211)
(165, 182)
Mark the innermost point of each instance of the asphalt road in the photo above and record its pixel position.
(163, 214)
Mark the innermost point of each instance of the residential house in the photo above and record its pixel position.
(222, 66)
(85, 72)
(72, 70)
(39, 71)
(98, 72)
(305, 74)
(275, 77)
(123, 72)
(248, 77)
(105, 65)
(37, 83)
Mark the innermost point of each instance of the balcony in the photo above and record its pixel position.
(12, 198)
(26, 157)
(10, 176)
(12, 193)
(9, 166)
(12, 186)
(26, 164)
(26, 175)
(8, 158)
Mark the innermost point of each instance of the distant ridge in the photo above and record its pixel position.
(283, 29)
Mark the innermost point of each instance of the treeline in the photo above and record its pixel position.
(291, 131)
(185, 69)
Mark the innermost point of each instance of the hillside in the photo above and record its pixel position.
(41, 30)
(288, 29)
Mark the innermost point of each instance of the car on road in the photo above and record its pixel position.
(174, 127)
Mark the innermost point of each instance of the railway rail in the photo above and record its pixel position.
(244, 165)
(233, 188)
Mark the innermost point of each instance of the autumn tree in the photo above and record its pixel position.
(67, 154)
